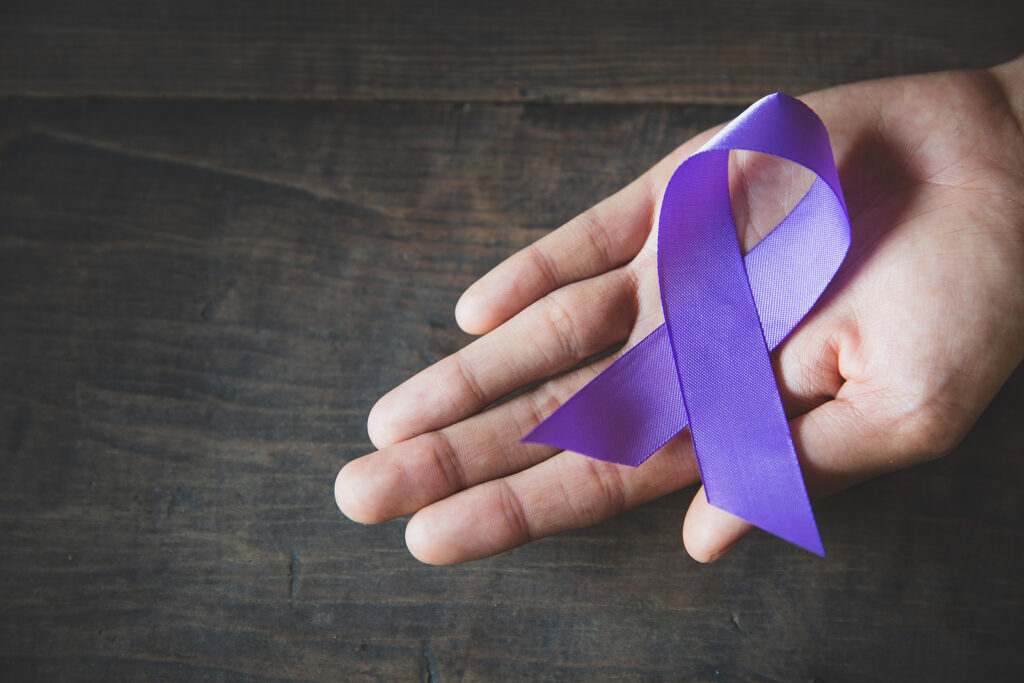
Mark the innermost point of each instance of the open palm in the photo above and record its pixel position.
(919, 329)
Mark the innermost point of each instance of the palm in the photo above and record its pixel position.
(919, 329)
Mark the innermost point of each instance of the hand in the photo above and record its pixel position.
(921, 326)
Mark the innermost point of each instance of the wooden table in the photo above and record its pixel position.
(227, 228)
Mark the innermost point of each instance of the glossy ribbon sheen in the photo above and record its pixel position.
(708, 365)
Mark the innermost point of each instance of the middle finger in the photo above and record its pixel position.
(550, 336)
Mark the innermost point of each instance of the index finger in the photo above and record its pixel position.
(604, 237)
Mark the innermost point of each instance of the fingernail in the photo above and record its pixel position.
(721, 552)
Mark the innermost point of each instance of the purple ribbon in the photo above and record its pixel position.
(708, 365)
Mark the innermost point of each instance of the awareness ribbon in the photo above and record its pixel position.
(707, 366)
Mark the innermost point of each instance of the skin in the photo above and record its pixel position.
(921, 326)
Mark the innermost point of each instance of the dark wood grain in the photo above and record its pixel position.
(586, 51)
(200, 301)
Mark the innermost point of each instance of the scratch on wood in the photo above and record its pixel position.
(736, 622)
(428, 657)
(294, 567)
(367, 211)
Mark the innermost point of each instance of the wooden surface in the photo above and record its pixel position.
(536, 50)
(226, 230)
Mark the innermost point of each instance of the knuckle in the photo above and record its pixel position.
(597, 235)
(925, 429)
(612, 486)
(458, 383)
(606, 496)
(545, 265)
(561, 326)
(544, 401)
(515, 513)
(447, 461)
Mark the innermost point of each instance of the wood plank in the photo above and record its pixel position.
(579, 51)
(198, 304)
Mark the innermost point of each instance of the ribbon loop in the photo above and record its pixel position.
(708, 365)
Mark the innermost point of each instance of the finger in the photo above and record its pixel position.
(601, 238)
(806, 363)
(564, 492)
(844, 441)
(409, 475)
(710, 532)
(553, 335)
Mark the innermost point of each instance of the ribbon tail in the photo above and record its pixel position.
(624, 414)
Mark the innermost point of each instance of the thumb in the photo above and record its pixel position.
(839, 443)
